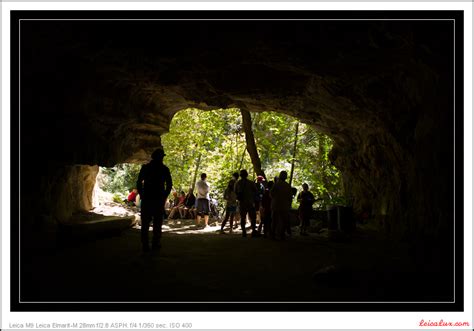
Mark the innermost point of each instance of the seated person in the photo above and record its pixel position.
(132, 197)
(213, 209)
(180, 203)
(175, 199)
(170, 203)
(187, 209)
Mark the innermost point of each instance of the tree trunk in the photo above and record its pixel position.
(237, 149)
(198, 163)
(250, 141)
(323, 164)
(241, 160)
(294, 153)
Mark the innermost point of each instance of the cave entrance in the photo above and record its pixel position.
(214, 142)
(115, 191)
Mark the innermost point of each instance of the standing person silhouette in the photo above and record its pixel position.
(281, 195)
(266, 211)
(154, 185)
(246, 191)
(306, 200)
(231, 203)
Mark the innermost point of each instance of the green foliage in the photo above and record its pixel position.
(275, 134)
(119, 179)
(214, 142)
(339, 201)
(204, 141)
(117, 198)
(218, 137)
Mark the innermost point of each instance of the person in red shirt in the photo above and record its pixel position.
(132, 197)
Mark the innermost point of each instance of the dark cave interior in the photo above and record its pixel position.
(99, 93)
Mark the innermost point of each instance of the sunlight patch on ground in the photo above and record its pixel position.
(188, 226)
(106, 207)
(115, 209)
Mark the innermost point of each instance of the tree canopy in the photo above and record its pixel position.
(213, 142)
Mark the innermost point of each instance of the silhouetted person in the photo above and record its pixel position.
(246, 191)
(288, 224)
(154, 185)
(231, 203)
(266, 211)
(203, 207)
(260, 184)
(281, 195)
(306, 200)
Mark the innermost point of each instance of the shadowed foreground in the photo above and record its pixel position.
(213, 267)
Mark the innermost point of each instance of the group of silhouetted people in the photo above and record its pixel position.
(271, 200)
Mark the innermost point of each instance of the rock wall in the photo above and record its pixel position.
(382, 91)
(66, 190)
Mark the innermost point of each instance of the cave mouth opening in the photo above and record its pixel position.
(112, 194)
(214, 142)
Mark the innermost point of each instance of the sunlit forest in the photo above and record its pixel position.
(214, 142)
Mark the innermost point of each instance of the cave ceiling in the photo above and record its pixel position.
(102, 81)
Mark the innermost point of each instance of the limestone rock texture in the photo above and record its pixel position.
(101, 93)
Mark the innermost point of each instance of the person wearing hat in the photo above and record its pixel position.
(154, 185)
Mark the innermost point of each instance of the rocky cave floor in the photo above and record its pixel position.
(196, 264)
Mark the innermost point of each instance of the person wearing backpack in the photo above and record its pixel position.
(231, 203)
